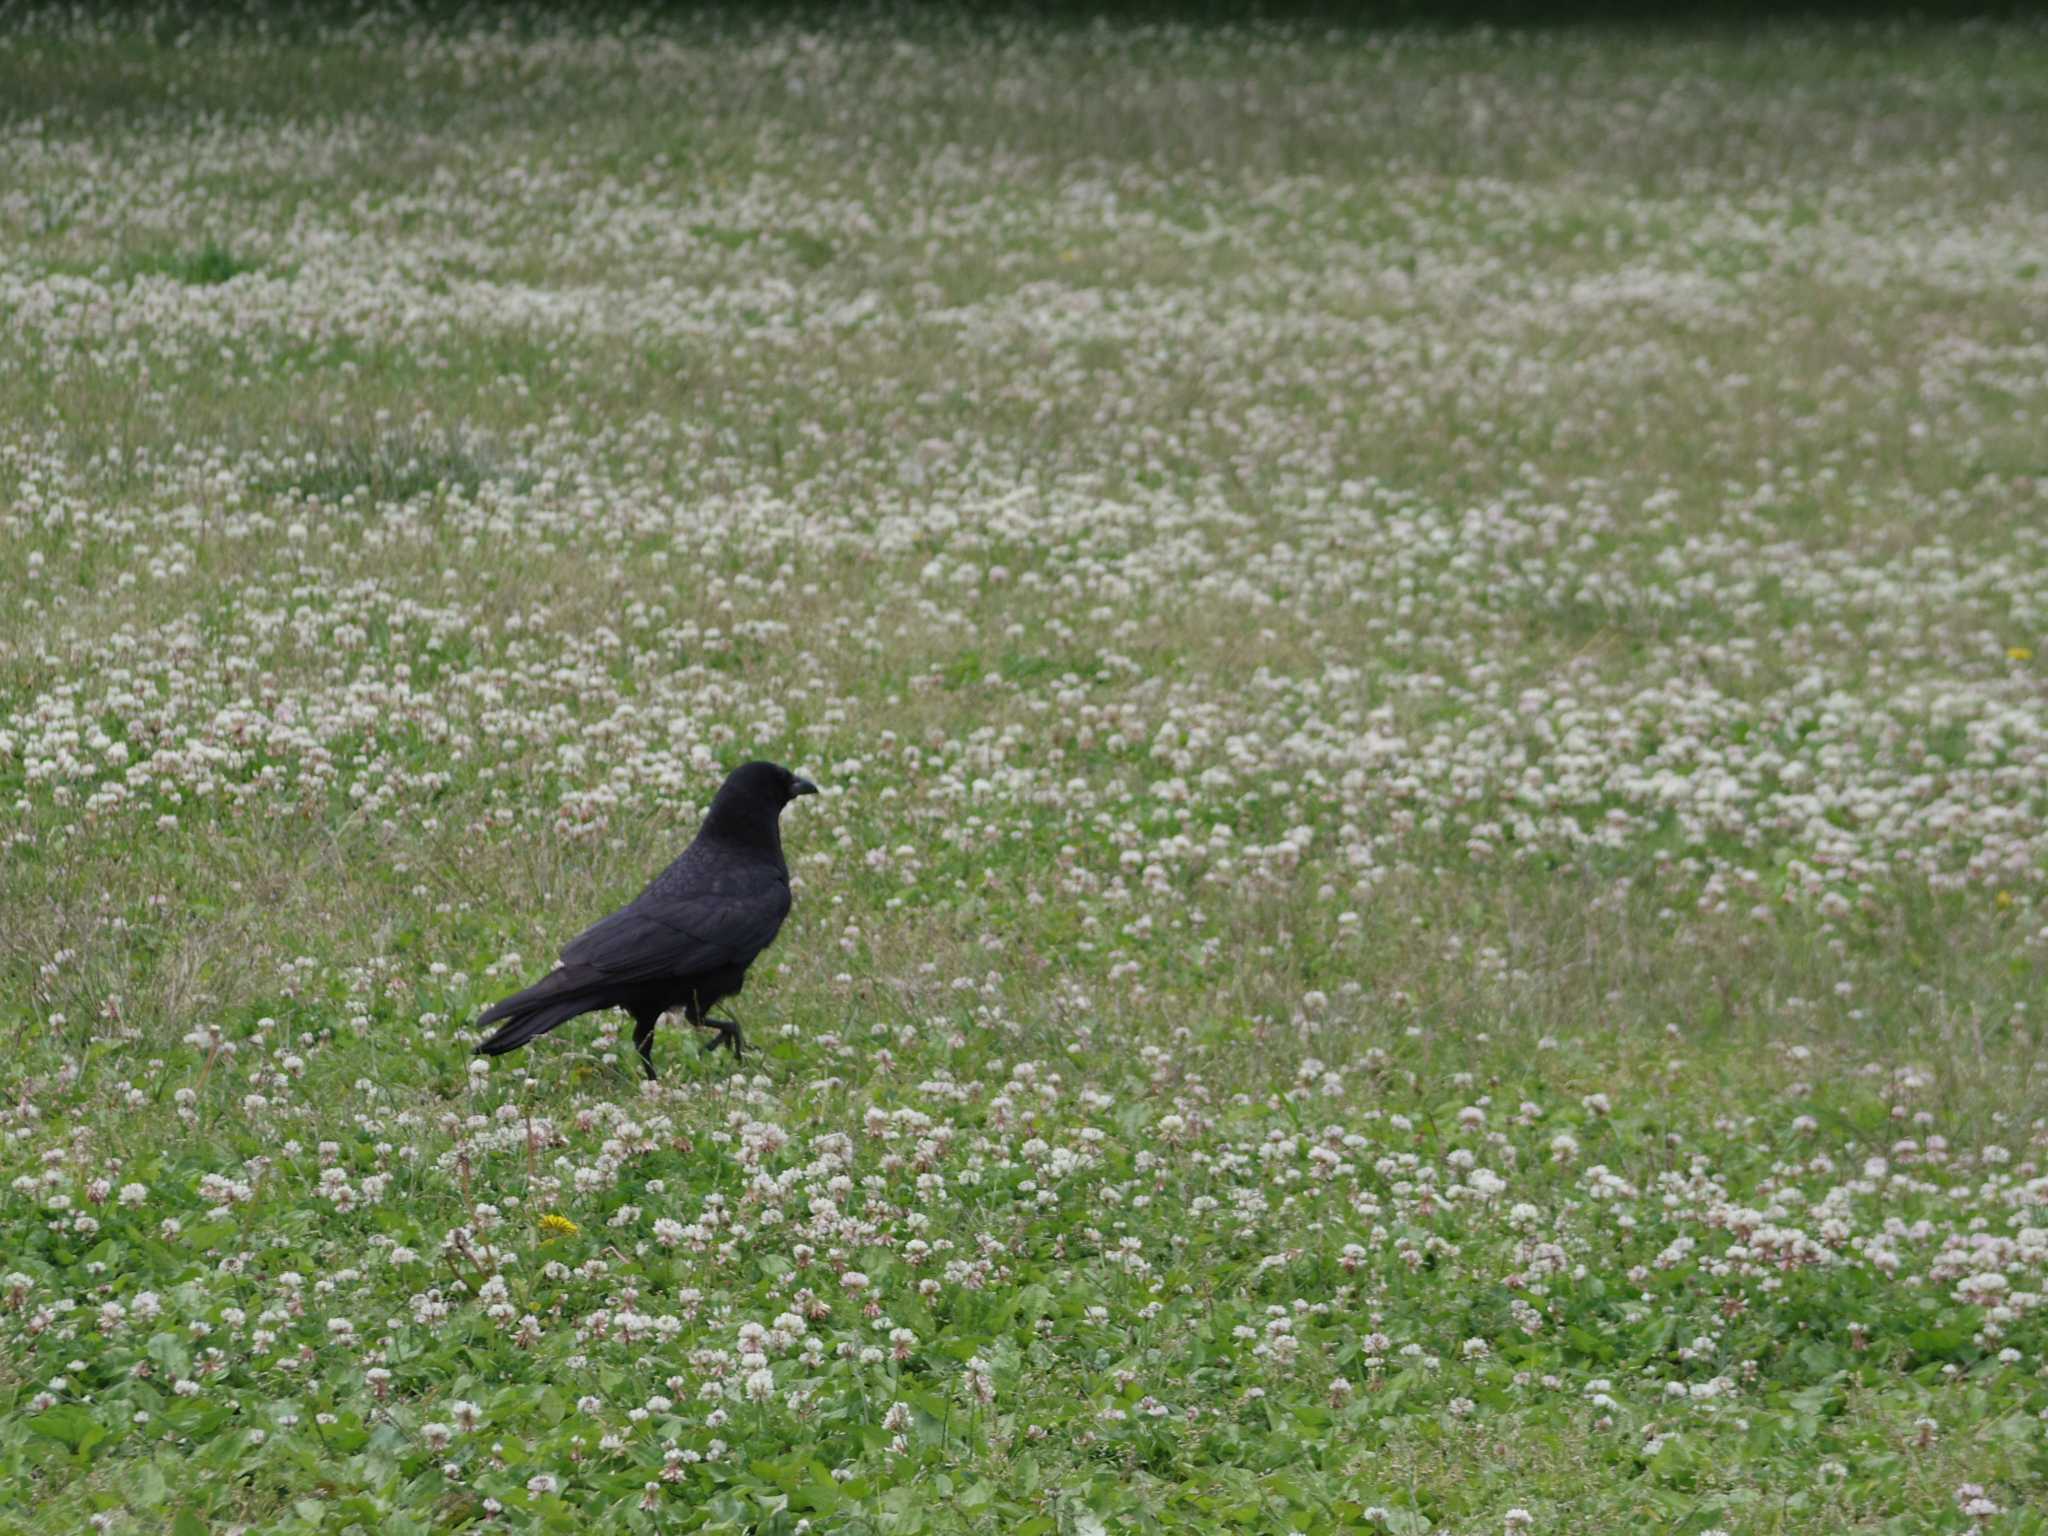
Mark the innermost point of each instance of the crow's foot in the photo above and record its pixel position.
(728, 1035)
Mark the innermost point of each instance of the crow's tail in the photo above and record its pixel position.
(530, 1014)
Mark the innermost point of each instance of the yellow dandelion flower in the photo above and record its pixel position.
(557, 1225)
(2018, 653)
(2005, 898)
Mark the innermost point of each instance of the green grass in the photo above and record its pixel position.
(1425, 652)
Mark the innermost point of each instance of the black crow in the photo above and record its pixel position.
(684, 942)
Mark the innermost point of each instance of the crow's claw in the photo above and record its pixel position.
(728, 1035)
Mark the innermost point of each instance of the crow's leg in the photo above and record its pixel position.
(728, 1035)
(643, 1039)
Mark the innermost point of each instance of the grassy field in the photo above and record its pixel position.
(1428, 654)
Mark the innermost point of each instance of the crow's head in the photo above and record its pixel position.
(748, 806)
(760, 790)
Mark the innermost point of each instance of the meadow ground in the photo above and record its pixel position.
(1426, 652)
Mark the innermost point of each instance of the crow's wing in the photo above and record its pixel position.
(724, 920)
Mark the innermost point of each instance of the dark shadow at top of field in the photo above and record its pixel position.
(285, 17)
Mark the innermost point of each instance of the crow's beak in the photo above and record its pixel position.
(802, 787)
